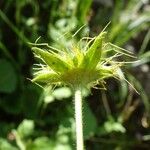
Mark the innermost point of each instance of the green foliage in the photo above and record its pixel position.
(127, 24)
(88, 117)
(82, 10)
(8, 80)
(25, 128)
(111, 126)
(5, 145)
(24, 140)
(61, 23)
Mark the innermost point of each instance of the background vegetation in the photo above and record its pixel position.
(32, 118)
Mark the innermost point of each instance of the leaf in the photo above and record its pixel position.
(144, 96)
(143, 59)
(110, 126)
(123, 91)
(26, 128)
(43, 143)
(8, 77)
(89, 119)
(82, 9)
(31, 100)
(62, 93)
(4, 145)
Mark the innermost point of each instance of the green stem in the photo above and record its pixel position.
(14, 28)
(19, 141)
(78, 120)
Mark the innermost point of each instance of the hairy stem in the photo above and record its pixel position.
(78, 119)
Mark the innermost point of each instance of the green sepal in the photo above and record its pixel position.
(46, 77)
(52, 60)
(93, 54)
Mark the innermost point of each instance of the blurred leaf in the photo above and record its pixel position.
(41, 143)
(25, 128)
(60, 146)
(61, 93)
(140, 88)
(45, 143)
(31, 100)
(8, 77)
(145, 43)
(89, 121)
(63, 138)
(143, 58)
(4, 145)
(114, 126)
(49, 99)
(123, 91)
(116, 13)
(82, 10)
(111, 126)
(127, 22)
(5, 51)
(85, 92)
(6, 128)
(13, 27)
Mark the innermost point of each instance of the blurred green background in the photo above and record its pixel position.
(32, 118)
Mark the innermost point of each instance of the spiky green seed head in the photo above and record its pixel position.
(77, 67)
